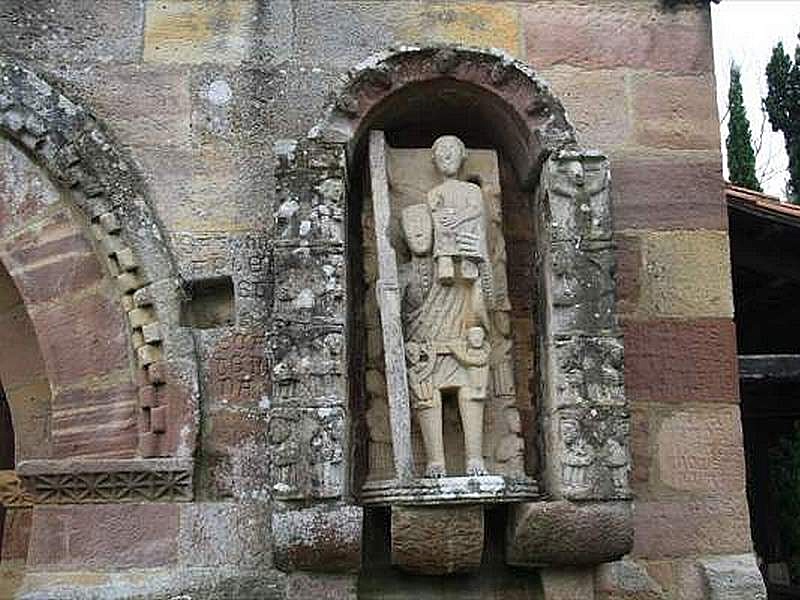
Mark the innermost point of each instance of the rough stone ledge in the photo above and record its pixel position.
(320, 539)
(733, 577)
(80, 481)
(148, 584)
(563, 533)
(488, 489)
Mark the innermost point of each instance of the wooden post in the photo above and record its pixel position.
(388, 296)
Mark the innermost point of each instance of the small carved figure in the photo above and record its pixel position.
(616, 457)
(578, 456)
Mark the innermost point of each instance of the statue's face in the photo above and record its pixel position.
(418, 228)
(448, 155)
(475, 336)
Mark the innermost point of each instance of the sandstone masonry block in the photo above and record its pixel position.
(354, 29)
(677, 360)
(21, 363)
(682, 526)
(198, 32)
(596, 103)
(685, 274)
(701, 451)
(437, 540)
(567, 584)
(606, 34)
(318, 539)
(118, 536)
(629, 580)
(73, 31)
(668, 193)
(215, 534)
(675, 112)
(85, 338)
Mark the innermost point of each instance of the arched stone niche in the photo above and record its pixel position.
(556, 207)
(96, 216)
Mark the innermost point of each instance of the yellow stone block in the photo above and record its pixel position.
(196, 31)
(479, 24)
(685, 274)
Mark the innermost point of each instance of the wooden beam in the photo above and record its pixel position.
(769, 367)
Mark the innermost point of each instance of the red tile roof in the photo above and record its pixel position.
(757, 203)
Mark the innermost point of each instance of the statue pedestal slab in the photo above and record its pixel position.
(485, 489)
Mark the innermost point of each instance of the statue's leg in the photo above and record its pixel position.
(430, 423)
(472, 421)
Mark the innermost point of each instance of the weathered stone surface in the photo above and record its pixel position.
(307, 452)
(226, 583)
(437, 540)
(94, 537)
(566, 533)
(355, 29)
(16, 533)
(25, 364)
(639, 35)
(668, 193)
(327, 587)
(322, 539)
(217, 534)
(630, 580)
(733, 578)
(71, 32)
(701, 451)
(684, 526)
(675, 112)
(676, 360)
(596, 102)
(198, 32)
(685, 274)
(94, 325)
(567, 584)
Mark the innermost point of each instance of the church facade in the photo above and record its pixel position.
(359, 299)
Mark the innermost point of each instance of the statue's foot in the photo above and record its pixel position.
(476, 468)
(435, 470)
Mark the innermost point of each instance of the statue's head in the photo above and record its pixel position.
(417, 225)
(476, 336)
(449, 154)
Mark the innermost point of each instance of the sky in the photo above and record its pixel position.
(745, 31)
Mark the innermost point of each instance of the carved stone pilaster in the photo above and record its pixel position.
(309, 420)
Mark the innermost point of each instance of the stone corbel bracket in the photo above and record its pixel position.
(584, 415)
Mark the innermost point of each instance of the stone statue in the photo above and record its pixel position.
(447, 286)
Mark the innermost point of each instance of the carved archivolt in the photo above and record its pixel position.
(76, 152)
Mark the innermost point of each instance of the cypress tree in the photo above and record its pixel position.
(741, 158)
(783, 108)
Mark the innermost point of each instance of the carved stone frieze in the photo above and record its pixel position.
(309, 284)
(307, 452)
(307, 365)
(593, 452)
(103, 481)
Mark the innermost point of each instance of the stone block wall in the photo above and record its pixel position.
(196, 94)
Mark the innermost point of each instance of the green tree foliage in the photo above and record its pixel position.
(785, 467)
(741, 158)
(783, 107)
